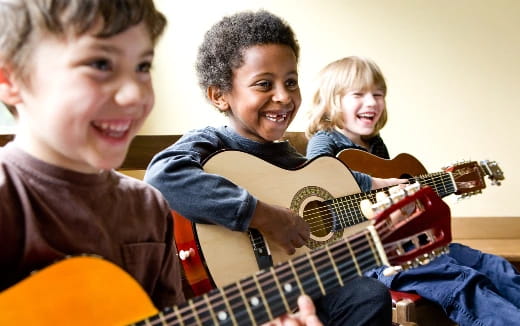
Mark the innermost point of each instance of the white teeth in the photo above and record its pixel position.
(113, 129)
(367, 115)
(276, 117)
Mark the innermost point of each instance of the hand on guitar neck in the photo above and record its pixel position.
(281, 225)
(378, 183)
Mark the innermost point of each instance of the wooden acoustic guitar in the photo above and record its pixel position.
(406, 166)
(323, 192)
(91, 291)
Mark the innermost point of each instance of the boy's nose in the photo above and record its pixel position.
(281, 95)
(131, 92)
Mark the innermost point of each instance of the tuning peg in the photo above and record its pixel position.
(381, 197)
(412, 188)
(396, 193)
(366, 208)
(382, 202)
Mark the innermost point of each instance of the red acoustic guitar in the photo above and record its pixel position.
(91, 291)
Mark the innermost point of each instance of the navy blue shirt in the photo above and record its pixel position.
(203, 197)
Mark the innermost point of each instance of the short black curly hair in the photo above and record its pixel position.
(224, 44)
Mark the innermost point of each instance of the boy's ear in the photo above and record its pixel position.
(9, 93)
(218, 99)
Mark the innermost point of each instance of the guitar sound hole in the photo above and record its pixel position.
(405, 176)
(319, 217)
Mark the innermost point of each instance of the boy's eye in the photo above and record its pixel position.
(264, 84)
(101, 64)
(144, 67)
(292, 83)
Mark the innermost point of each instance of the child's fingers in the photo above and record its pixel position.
(308, 311)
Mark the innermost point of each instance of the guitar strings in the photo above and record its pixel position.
(358, 239)
(351, 214)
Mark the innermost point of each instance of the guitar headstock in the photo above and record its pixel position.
(469, 176)
(413, 225)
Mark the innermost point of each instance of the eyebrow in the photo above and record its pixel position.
(113, 49)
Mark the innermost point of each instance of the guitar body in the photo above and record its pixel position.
(76, 291)
(228, 255)
(402, 166)
(323, 192)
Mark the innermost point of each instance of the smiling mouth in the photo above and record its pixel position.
(112, 129)
(367, 116)
(276, 117)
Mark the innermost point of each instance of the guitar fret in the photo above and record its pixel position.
(327, 271)
(296, 276)
(318, 280)
(353, 255)
(238, 306)
(335, 267)
(211, 312)
(244, 298)
(285, 281)
(196, 313)
(264, 300)
(273, 294)
(345, 259)
(224, 316)
(372, 248)
(365, 252)
(307, 277)
(177, 313)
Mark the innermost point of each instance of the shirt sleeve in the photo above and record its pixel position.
(321, 144)
(197, 195)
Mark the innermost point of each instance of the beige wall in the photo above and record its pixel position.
(452, 68)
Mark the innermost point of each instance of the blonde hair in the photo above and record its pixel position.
(334, 81)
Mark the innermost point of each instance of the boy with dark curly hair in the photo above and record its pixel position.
(247, 68)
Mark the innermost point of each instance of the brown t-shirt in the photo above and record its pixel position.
(48, 213)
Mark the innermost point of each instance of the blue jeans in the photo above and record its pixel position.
(473, 288)
(360, 302)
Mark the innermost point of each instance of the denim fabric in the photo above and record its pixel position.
(360, 302)
(474, 288)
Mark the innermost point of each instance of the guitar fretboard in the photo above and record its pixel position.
(275, 291)
(346, 210)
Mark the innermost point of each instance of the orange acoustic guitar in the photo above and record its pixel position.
(91, 291)
(323, 192)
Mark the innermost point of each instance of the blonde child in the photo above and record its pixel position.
(348, 111)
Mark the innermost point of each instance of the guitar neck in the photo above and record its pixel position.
(441, 182)
(274, 292)
(347, 212)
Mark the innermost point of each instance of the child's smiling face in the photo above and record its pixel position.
(265, 95)
(361, 111)
(86, 98)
